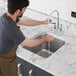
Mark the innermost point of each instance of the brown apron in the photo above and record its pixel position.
(8, 65)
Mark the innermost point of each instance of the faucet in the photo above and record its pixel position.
(56, 26)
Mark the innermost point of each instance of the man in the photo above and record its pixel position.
(11, 36)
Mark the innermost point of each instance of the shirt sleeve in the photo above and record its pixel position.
(17, 36)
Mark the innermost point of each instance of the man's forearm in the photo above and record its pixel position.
(30, 22)
(36, 42)
(32, 43)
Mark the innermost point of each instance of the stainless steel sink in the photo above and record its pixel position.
(47, 49)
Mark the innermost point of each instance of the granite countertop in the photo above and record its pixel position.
(61, 63)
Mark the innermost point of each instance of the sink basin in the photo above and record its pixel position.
(46, 49)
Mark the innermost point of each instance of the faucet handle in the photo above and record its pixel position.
(60, 28)
(50, 20)
(54, 25)
(53, 22)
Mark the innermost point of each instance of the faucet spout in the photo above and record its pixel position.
(56, 11)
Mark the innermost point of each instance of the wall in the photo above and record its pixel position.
(63, 6)
(3, 6)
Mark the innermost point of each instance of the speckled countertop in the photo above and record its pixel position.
(63, 61)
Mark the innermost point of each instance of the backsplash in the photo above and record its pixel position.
(36, 15)
(3, 6)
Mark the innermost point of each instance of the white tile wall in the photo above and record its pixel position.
(63, 6)
(3, 5)
(37, 15)
(66, 26)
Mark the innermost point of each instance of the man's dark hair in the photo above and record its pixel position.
(13, 5)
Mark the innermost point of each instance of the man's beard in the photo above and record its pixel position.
(18, 18)
(20, 15)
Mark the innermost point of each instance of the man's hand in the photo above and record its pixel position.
(48, 21)
(48, 38)
(36, 42)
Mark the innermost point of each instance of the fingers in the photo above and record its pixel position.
(48, 21)
(48, 38)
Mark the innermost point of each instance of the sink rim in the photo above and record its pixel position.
(46, 49)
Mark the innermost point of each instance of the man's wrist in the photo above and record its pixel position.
(44, 39)
(44, 22)
(47, 21)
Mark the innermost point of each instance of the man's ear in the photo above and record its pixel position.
(18, 11)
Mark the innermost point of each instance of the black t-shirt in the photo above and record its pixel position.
(10, 34)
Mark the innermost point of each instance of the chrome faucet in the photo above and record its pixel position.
(57, 24)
